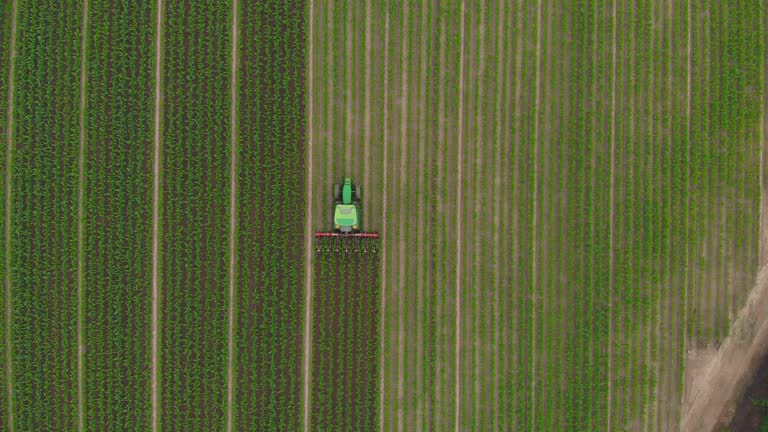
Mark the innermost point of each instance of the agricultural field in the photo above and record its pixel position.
(570, 197)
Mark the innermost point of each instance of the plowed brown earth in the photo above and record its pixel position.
(345, 341)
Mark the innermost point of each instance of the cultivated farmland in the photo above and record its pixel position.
(568, 195)
(569, 198)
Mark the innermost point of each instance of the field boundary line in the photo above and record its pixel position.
(232, 214)
(308, 220)
(8, 202)
(384, 233)
(534, 222)
(459, 167)
(156, 217)
(612, 214)
(80, 234)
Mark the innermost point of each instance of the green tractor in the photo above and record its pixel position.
(347, 217)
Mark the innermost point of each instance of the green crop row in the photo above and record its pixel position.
(194, 248)
(270, 214)
(44, 178)
(345, 342)
(117, 215)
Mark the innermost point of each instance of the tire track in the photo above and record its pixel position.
(308, 220)
(687, 280)
(8, 201)
(422, 193)
(384, 232)
(459, 209)
(403, 102)
(477, 389)
(367, 110)
(233, 210)
(534, 226)
(611, 217)
(155, 217)
(80, 192)
(439, 276)
(498, 273)
(348, 92)
(516, 248)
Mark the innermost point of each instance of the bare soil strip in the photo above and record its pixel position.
(441, 227)
(8, 190)
(459, 209)
(515, 281)
(156, 217)
(499, 191)
(349, 94)
(308, 220)
(232, 214)
(611, 212)
(477, 417)
(384, 233)
(688, 213)
(534, 223)
(80, 188)
(651, 328)
(421, 264)
(405, 32)
(367, 108)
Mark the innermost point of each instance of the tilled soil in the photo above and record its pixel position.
(345, 341)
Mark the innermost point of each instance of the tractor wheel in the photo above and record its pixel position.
(357, 192)
(336, 191)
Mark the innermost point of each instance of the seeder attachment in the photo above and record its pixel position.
(352, 242)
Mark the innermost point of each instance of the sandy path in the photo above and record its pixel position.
(156, 218)
(8, 190)
(459, 209)
(308, 254)
(534, 224)
(611, 213)
(713, 393)
(384, 233)
(232, 215)
(80, 192)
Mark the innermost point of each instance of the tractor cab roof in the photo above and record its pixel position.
(346, 215)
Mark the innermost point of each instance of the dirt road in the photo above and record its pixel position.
(715, 393)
